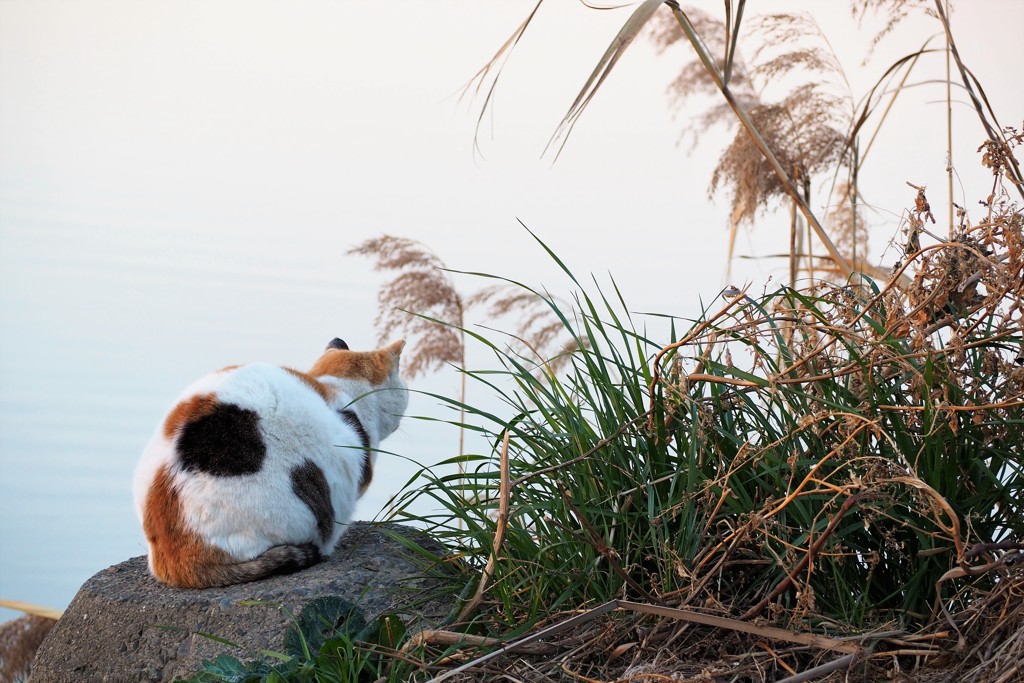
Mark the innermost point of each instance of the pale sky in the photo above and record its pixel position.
(304, 117)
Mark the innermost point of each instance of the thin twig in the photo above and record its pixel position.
(822, 670)
(581, 618)
(454, 638)
(810, 639)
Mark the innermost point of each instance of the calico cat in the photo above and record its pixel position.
(256, 469)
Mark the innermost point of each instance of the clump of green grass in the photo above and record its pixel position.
(828, 458)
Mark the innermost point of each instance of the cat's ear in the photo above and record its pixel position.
(395, 348)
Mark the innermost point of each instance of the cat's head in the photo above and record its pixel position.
(377, 368)
(370, 373)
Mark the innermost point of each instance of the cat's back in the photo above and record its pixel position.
(227, 422)
(258, 387)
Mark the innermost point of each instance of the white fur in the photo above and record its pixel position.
(245, 515)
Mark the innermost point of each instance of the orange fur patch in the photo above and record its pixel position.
(326, 393)
(178, 556)
(191, 409)
(373, 366)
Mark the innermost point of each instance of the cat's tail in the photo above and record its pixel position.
(280, 559)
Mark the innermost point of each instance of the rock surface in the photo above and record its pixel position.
(123, 625)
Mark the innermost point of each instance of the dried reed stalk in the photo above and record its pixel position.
(499, 533)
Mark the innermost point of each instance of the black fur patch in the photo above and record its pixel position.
(350, 417)
(310, 485)
(226, 442)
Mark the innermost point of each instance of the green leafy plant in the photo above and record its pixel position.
(328, 642)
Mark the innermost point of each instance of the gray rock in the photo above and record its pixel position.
(125, 626)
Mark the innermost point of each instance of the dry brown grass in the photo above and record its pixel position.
(807, 123)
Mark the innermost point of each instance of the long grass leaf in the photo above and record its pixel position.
(611, 56)
(496, 63)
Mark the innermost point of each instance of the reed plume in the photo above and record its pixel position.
(805, 127)
(539, 332)
(420, 302)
